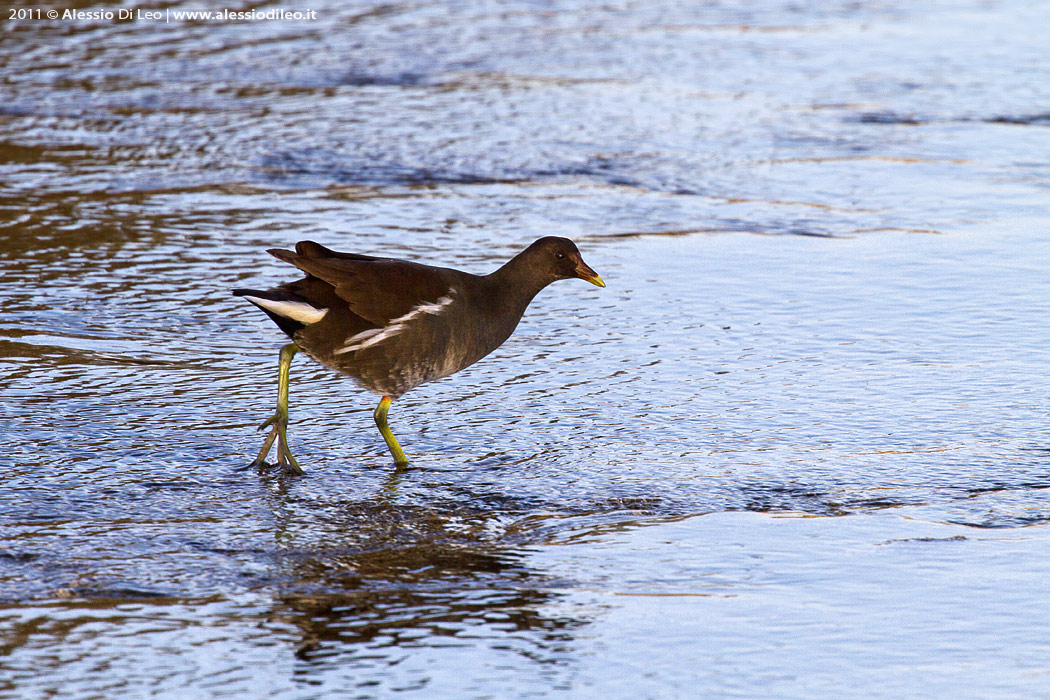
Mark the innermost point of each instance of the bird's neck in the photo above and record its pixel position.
(515, 284)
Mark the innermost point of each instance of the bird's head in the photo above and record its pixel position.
(560, 259)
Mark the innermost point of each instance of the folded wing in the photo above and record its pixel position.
(378, 290)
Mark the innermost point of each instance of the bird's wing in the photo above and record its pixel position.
(379, 290)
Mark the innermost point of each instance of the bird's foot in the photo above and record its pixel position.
(400, 460)
(278, 433)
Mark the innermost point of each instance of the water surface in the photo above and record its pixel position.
(797, 448)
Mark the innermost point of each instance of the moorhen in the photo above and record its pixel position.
(393, 324)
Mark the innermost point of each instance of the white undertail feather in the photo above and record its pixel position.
(296, 310)
(372, 336)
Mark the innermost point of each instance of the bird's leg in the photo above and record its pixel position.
(279, 420)
(391, 441)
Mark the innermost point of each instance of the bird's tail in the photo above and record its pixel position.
(287, 310)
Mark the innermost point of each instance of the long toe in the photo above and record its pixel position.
(287, 461)
(260, 459)
(284, 454)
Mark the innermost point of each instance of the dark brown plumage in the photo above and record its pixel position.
(392, 325)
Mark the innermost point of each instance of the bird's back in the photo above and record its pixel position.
(390, 324)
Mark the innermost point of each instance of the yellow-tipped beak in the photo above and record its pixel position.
(584, 272)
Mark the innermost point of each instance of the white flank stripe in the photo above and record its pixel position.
(363, 335)
(373, 336)
(434, 308)
(295, 310)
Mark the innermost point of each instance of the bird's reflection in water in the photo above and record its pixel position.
(368, 621)
(378, 576)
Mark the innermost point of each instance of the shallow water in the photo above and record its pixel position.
(797, 448)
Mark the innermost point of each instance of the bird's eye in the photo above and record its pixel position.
(561, 256)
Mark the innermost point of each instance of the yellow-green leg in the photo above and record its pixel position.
(391, 441)
(279, 420)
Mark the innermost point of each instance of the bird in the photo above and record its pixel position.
(391, 324)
